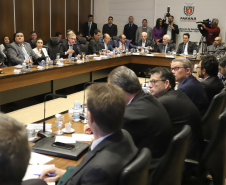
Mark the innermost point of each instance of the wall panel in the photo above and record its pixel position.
(24, 17)
(42, 18)
(6, 19)
(72, 15)
(57, 17)
(84, 11)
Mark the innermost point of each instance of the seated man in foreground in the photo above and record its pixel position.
(182, 70)
(180, 108)
(14, 153)
(112, 148)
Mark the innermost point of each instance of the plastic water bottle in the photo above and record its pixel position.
(29, 65)
(194, 54)
(24, 65)
(77, 105)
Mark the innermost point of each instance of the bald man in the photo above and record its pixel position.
(217, 49)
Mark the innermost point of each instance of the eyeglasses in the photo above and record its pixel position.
(153, 82)
(216, 40)
(176, 68)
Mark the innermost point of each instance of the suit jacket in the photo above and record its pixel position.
(191, 47)
(112, 31)
(33, 182)
(148, 43)
(170, 47)
(193, 89)
(64, 47)
(217, 51)
(16, 55)
(44, 50)
(148, 123)
(105, 162)
(86, 29)
(130, 32)
(139, 31)
(128, 45)
(182, 111)
(109, 45)
(94, 46)
(174, 32)
(212, 86)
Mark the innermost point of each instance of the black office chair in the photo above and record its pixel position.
(169, 171)
(82, 40)
(54, 47)
(209, 120)
(33, 43)
(136, 173)
(84, 48)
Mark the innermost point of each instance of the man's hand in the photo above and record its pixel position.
(87, 129)
(130, 40)
(150, 48)
(204, 26)
(28, 61)
(53, 170)
(70, 51)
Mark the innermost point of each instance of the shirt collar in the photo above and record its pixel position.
(97, 141)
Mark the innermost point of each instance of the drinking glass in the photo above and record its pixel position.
(70, 115)
(100, 51)
(58, 56)
(59, 119)
(83, 55)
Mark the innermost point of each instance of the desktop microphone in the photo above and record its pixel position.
(43, 133)
(147, 71)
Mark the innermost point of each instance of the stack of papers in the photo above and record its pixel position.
(38, 126)
(83, 137)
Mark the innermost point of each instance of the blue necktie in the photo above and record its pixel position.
(184, 47)
(89, 28)
(26, 56)
(71, 48)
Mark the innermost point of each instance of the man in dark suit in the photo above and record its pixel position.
(105, 43)
(186, 47)
(166, 46)
(110, 28)
(123, 43)
(69, 49)
(217, 48)
(33, 37)
(130, 30)
(145, 118)
(20, 51)
(94, 44)
(180, 108)
(112, 148)
(222, 70)
(208, 70)
(171, 28)
(89, 27)
(144, 42)
(182, 70)
(15, 152)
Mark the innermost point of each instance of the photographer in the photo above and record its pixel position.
(213, 32)
(171, 28)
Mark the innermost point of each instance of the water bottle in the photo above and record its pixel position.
(194, 54)
(77, 105)
(24, 65)
(29, 65)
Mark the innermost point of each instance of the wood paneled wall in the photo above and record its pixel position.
(46, 17)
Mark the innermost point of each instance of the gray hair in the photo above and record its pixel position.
(215, 20)
(185, 62)
(144, 33)
(71, 35)
(126, 79)
(167, 36)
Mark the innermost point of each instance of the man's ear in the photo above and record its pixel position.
(89, 117)
(167, 85)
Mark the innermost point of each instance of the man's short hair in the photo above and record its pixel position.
(215, 20)
(105, 35)
(68, 30)
(33, 32)
(120, 36)
(210, 63)
(145, 33)
(126, 79)
(90, 15)
(58, 33)
(187, 34)
(165, 74)
(14, 150)
(144, 20)
(14, 36)
(167, 36)
(185, 62)
(110, 17)
(96, 31)
(171, 16)
(222, 61)
(106, 103)
(71, 35)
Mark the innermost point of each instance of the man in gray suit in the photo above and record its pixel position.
(166, 45)
(112, 148)
(217, 48)
(143, 28)
(20, 51)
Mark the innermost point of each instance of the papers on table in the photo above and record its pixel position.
(135, 53)
(65, 139)
(96, 58)
(169, 56)
(38, 126)
(149, 55)
(83, 137)
(39, 159)
(36, 169)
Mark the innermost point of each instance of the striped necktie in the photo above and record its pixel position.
(26, 56)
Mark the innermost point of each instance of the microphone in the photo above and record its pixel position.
(43, 133)
(147, 71)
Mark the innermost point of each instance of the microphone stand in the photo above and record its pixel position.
(43, 133)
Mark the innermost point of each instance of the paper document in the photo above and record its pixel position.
(39, 159)
(65, 139)
(149, 55)
(83, 137)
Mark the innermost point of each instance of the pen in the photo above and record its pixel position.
(48, 175)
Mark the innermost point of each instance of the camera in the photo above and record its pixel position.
(168, 11)
(202, 30)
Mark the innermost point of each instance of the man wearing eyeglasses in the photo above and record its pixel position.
(69, 49)
(180, 108)
(182, 70)
(217, 48)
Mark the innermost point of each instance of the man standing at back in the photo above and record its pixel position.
(130, 30)
(143, 28)
(89, 28)
(110, 28)
(182, 70)
(112, 148)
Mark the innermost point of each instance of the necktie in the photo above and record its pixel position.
(164, 49)
(71, 48)
(26, 56)
(122, 46)
(184, 47)
(89, 28)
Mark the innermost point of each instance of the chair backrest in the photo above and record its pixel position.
(210, 118)
(33, 43)
(82, 40)
(54, 47)
(84, 48)
(136, 172)
(214, 157)
(170, 168)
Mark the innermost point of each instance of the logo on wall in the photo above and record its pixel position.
(189, 10)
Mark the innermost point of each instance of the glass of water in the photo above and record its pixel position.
(83, 55)
(59, 119)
